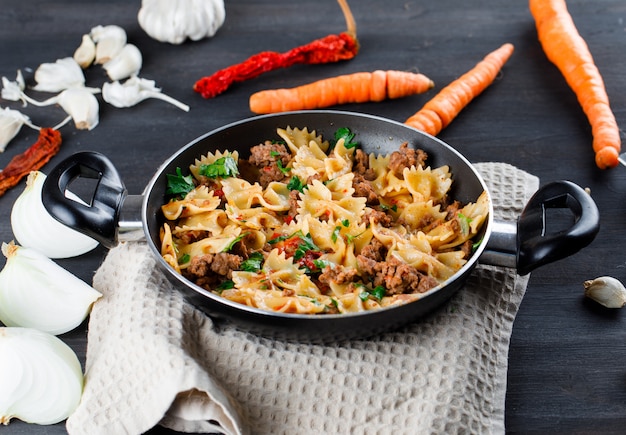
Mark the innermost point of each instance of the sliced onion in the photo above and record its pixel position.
(33, 227)
(35, 292)
(41, 379)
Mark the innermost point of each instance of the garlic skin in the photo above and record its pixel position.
(133, 91)
(174, 21)
(85, 54)
(126, 63)
(31, 391)
(13, 90)
(35, 292)
(607, 291)
(62, 74)
(11, 122)
(109, 42)
(33, 227)
(82, 105)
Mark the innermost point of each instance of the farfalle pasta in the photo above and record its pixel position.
(320, 227)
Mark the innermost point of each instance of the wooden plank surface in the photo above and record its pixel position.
(566, 365)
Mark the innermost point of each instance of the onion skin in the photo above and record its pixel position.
(31, 391)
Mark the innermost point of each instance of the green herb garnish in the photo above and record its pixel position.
(225, 285)
(253, 263)
(179, 184)
(223, 167)
(295, 183)
(345, 134)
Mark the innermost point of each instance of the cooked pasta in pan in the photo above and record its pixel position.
(310, 225)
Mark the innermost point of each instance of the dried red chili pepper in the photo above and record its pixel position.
(331, 48)
(38, 154)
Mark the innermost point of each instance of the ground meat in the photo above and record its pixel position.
(339, 275)
(395, 276)
(294, 196)
(188, 237)
(266, 157)
(452, 210)
(406, 157)
(375, 250)
(364, 188)
(210, 269)
(378, 217)
(362, 165)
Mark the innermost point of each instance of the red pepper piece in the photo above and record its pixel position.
(38, 154)
(331, 48)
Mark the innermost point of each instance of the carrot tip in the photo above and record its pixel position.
(607, 158)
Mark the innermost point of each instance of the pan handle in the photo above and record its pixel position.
(99, 217)
(535, 246)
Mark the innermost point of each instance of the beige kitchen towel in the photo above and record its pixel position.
(154, 359)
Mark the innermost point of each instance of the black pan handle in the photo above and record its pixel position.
(535, 247)
(97, 219)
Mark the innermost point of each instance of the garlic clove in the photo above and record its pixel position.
(35, 292)
(607, 291)
(55, 77)
(109, 42)
(82, 105)
(33, 227)
(126, 63)
(31, 391)
(85, 54)
(133, 91)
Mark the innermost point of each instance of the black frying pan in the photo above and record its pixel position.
(524, 246)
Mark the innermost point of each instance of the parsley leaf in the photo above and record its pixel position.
(236, 240)
(376, 293)
(223, 167)
(179, 184)
(295, 183)
(253, 263)
(226, 285)
(345, 134)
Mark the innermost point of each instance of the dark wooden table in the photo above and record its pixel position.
(566, 363)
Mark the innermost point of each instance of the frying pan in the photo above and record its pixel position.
(525, 245)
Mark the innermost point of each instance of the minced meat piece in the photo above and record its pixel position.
(266, 156)
(395, 276)
(210, 269)
(338, 275)
(378, 217)
(406, 157)
(362, 165)
(363, 187)
(375, 250)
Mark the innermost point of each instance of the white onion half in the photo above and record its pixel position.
(41, 380)
(35, 292)
(33, 227)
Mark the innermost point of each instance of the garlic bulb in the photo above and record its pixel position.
(174, 21)
(85, 54)
(11, 122)
(62, 74)
(126, 63)
(607, 291)
(82, 105)
(34, 228)
(41, 378)
(35, 292)
(135, 90)
(109, 42)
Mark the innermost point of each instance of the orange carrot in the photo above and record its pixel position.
(565, 48)
(448, 103)
(359, 87)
